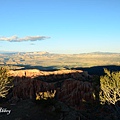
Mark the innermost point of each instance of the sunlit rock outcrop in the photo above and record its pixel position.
(69, 86)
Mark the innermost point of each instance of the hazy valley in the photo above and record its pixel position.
(50, 61)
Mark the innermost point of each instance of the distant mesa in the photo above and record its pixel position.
(45, 52)
(41, 53)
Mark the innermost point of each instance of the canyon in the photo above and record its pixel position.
(69, 86)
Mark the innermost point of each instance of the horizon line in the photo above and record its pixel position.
(5, 51)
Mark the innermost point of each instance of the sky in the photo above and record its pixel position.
(60, 26)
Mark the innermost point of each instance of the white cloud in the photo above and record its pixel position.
(27, 38)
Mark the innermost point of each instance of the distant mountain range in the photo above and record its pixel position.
(44, 52)
(49, 61)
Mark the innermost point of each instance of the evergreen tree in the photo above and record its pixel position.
(110, 88)
(5, 82)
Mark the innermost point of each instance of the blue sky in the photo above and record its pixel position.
(60, 26)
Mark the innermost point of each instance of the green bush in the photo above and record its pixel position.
(110, 89)
(5, 82)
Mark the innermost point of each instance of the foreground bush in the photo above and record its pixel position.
(5, 82)
(110, 89)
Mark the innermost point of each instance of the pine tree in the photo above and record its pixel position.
(5, 82)
(110, 88)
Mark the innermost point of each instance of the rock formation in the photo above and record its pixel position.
(74, 92)
(69, 86)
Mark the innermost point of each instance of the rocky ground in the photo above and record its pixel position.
(54, 110)
(29, 110)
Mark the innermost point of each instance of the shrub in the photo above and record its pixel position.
(110, 88)
(5, 82)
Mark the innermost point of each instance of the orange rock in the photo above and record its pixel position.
(71, 88)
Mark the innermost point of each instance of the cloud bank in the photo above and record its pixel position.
(27, 38)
